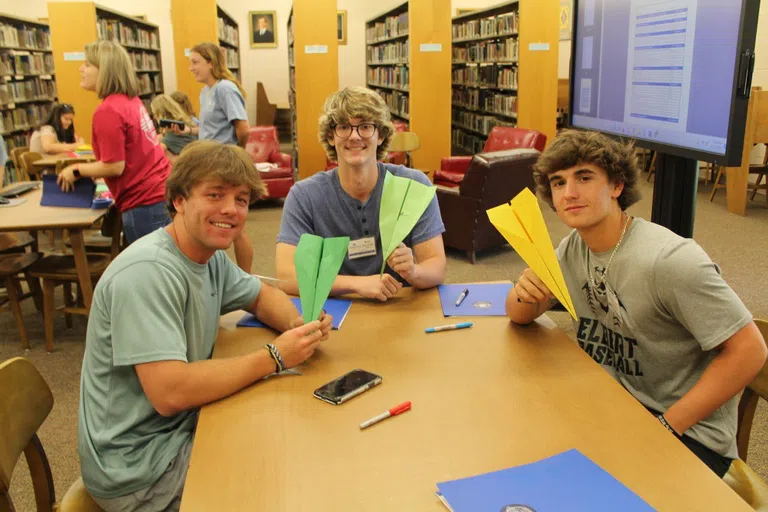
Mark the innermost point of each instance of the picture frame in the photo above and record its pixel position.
(341, 27)
(262, 29)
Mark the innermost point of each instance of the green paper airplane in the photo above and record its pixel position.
(403, 201)
(317, 261)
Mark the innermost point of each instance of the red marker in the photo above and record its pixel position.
(392, 412)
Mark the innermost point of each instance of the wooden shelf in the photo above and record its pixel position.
(387, 39)
(392, 88)
(29, 49)
(485, 38)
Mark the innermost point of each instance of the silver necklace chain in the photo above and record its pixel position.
(616, 248)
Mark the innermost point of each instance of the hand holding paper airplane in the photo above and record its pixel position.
(317, 262)
(403, 201)
(522, 225)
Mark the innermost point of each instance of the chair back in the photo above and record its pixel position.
(25, 402)
(27, 159)
(757, 389)
(15, 153)
(509, 137)
(112, 227)
(262, 143)
(265, 111)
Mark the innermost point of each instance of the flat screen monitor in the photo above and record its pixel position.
(673, 74)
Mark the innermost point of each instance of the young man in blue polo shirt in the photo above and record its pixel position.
(355, 129)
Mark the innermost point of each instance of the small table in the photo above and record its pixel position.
(486, 398)
(49, 163)
(30, 216)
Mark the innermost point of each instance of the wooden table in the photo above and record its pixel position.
(484, 399)
(32, 217)
(49, 163)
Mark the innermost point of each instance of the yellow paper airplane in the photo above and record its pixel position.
(521, 223)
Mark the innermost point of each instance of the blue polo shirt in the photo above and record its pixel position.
(220, 105)
(318, 205)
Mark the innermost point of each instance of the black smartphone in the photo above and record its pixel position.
(167, 123)
(347, 386)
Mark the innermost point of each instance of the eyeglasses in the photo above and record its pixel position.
(364, 130)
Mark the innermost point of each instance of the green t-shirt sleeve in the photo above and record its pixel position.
(146, 312)
(239, 289)
(691, 289)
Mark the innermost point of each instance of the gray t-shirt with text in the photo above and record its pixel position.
(674, 310)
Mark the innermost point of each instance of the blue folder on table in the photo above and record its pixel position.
(337, 308)
(565, 482)
(80, 197)
(482, 300)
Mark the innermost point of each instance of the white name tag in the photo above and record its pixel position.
(362, 248)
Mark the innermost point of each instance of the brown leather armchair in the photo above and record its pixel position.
(491, 179)
(452, 168)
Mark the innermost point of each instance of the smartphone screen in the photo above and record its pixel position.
(347, 386)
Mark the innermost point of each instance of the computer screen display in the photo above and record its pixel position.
(662, 71)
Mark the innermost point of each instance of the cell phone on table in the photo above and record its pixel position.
(347, 386)
(167, 123)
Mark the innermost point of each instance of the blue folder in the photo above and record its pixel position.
(337, 308)
(482, 299)
(568, 481)
(80, 197)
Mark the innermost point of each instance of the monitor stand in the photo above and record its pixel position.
(674, 193)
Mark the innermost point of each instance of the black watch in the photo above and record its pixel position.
(76, 173)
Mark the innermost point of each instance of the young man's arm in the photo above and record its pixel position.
(430, 269)
(371, 287)
(528, 299)
(243, 252)
(740, 359)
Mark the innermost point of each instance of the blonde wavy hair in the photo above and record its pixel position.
(184, 102)
(116, 73)
(164, 107)
(351, 102)
(205, 160)
(214, 56)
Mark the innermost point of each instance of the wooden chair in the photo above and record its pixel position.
(761, 170)
(27, 159)
(740, 477)
(15, 153)
(17, 242)
(25, 402)
(103, 240)
(55, 270)
(265, 111)
(11, 266)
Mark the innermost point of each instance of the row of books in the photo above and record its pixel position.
(488, 51)
(389, 77)
(392, 26)
(33, 38)
(128, 34)
(150, 83)
(23, 118)
(481, 124)
(485, 101)
(23, 63)
(388, 53)
(16, 140)
(145, 61)
(501, 25)
(232, 57)
(486, 76)
(228, 33)
(12, 92)
(397, 102)
(467, 141)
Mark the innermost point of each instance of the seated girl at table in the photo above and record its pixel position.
(165, 108)
(56, 135)
(184, 102)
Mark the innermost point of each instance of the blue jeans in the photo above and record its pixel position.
(142, 220)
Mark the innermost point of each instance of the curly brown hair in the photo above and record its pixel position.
(343, 105)
(577, 147)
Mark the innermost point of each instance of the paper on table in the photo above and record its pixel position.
(317, 262)
(403, 201)
(522, 225)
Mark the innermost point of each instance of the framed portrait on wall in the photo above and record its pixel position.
(341, 26)
(263, 29)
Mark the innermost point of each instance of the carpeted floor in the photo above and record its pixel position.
(738, 244)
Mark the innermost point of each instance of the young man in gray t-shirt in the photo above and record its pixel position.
(653, 309)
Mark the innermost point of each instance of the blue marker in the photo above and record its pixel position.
(462, 325)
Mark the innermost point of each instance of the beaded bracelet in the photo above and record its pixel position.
(663, 421)
(279, 364)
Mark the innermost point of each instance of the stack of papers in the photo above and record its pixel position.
(565, 482)
(337, 308)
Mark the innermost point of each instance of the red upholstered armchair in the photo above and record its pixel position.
(263, 146)
(452, 169)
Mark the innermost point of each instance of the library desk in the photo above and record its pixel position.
(486, 398)
(30, 216)
(49, 163)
